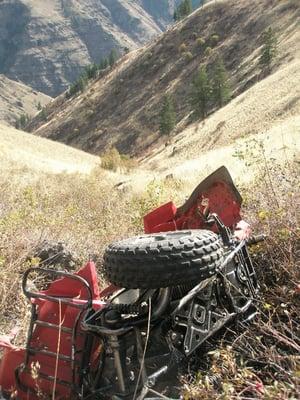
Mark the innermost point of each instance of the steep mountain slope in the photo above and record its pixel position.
(33, 155)
(46, 44)
(122, 108)
(262, 125)
(17, 99)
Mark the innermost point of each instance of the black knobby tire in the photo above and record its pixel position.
(163, 259)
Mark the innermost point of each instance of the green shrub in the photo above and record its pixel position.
(200, 42)
(214, 39)
(208, 51)
(188, 55)
(114, 161)
(111, 160)
(182, 48)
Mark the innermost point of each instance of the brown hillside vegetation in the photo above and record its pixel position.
(265, 117)
(46, 44)
(17, 99)
(122, 108)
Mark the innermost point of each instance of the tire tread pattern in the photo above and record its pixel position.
(161, 260)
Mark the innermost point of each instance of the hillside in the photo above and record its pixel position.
(46, 44)
(265, 118)
(33, 156)
(17, 99)
(122, 108)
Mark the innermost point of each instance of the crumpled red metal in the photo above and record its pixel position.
(47, 338)
(217, 192)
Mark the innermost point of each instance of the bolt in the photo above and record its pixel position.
(131, 376)
(151, 382)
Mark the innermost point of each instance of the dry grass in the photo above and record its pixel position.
(261, 360)
(88, 212)
(26, 152)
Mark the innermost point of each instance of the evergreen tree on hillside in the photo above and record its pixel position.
(22, 121)
(201, 93)
(104, 63)
(113, 56)
(183, 10)
(220, 83)
(269, 49)
(167, 116)
(91, 71)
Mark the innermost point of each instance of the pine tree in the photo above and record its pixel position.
(220, 84)
(103, 64)
(184, 9)
(167, 116)
(269, 49)
(91, 71)
(201, 93)
(113, 56)
(43, 114)
(187, 7)
(22, 121)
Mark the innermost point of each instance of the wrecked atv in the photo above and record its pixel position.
(186, 278)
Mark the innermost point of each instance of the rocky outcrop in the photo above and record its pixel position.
(46, 44)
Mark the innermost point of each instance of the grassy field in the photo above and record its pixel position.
(26, 154)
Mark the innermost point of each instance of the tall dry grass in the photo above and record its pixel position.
(261, 360)
(86, 213)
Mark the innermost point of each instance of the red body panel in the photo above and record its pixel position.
(217, 192)
(49, 339)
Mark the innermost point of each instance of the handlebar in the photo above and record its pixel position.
(256, 239)
(57, 274)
